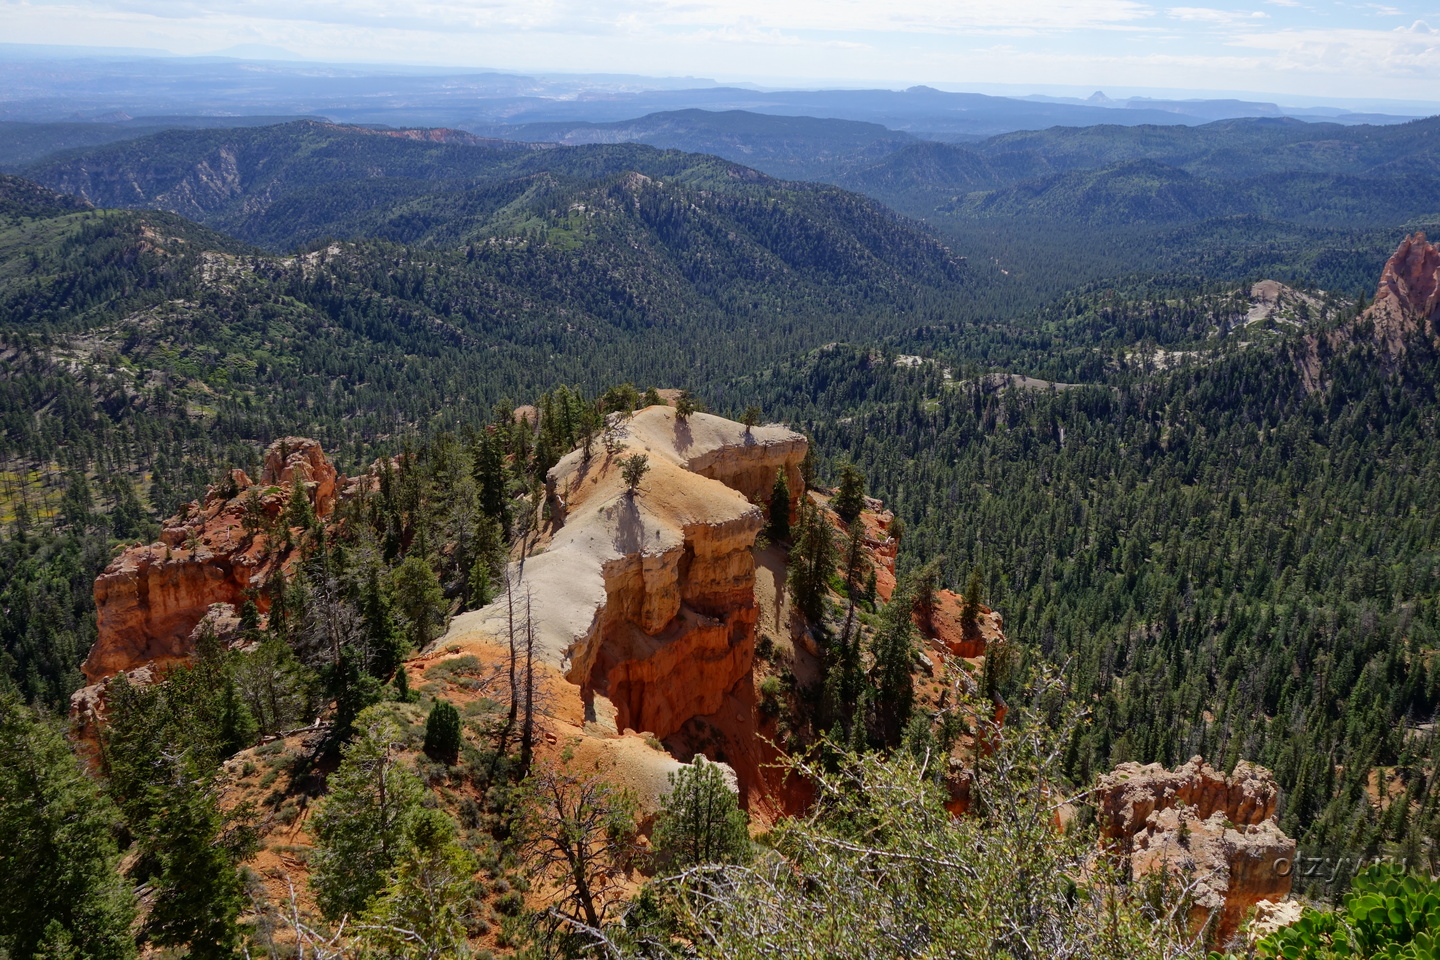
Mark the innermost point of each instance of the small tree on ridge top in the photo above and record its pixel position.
(633, 470)
(685, 405)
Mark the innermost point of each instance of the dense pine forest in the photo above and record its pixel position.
(1225, 564)
(1219, 553)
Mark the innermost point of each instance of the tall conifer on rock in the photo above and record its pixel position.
(778, 528)
(849, 497)
(812, 561)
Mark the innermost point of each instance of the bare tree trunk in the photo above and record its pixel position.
(527, 736)
(510, 720)
(514, 688)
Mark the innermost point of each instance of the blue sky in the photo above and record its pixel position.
(1320, 49)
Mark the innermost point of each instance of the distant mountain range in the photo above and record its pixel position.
(64, 86)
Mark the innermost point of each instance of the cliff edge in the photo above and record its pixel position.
(645, 600)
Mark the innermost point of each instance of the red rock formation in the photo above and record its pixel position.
(646, 600)
(298, 455)
(881, 545)
(1407, 304)
(946, 627)
(1216, 832)
(678, 630)
(1408, 298)
(1126, 798)
(151, 599)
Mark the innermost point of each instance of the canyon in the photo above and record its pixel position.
(643, 606)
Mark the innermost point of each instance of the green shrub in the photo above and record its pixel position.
(442, 732)
(770, 690)
(1388, 913)
(510, 904)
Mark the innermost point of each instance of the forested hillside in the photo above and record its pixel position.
(1040, 212)
(1313, 204)
(1204, 502)
(795, 148)
(1226, 562)
(295, 183)
(146, 354)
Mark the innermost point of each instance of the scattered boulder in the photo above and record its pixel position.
(1271, 916)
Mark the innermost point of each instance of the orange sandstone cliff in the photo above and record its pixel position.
(646, 601)
(151, 599)
(1408, 298)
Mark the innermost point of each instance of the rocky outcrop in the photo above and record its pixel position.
(1408, 298)
(292, 456)
(87, 705)
(209, 560)
(1270, 917)
(646, 600)
(1406, 306)
(945, 626)
(1126, 798)
(1216, 833)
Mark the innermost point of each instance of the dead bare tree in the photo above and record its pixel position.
(527, 733)
(577, 832)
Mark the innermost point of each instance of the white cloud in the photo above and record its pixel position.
(1100, 43)
(1412, 52)
(923, 16)
(1219, 17)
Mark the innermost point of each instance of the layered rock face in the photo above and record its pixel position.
(678, 628)
(1216, 832)
(646, 600)
(151, 599)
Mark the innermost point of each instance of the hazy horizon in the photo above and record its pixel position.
(636, 80)
(1285, 47)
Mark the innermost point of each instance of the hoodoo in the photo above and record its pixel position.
(1406, 306)
(1214, 831)
(209, 560)
(1408, 297)
(646, 599)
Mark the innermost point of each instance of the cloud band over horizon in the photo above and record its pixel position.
(1286, 46)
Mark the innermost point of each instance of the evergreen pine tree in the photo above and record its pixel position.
(442, 731)
(59, 878)
(360, 829)
(893, 652)
(421, 913)
(849, 497)
(685, 406)
(970, 610)
(812, 561)
(419, 598)
(700, 820)
(778, 529)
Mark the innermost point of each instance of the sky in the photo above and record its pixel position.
(1318, 49)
